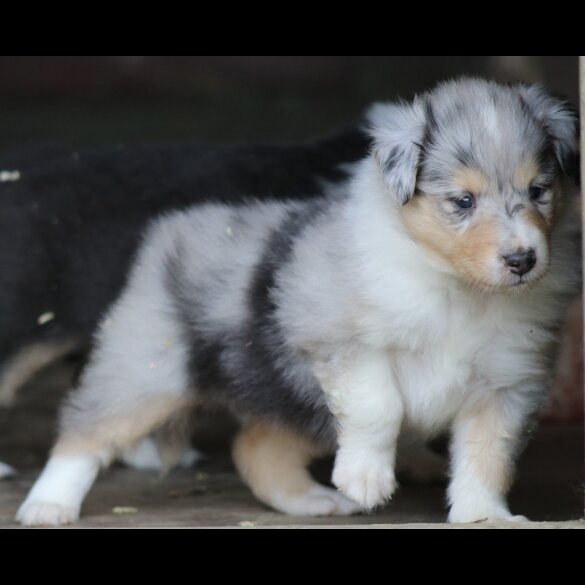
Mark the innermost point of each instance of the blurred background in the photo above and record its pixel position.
(84, 101)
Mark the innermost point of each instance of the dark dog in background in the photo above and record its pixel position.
(71, 223)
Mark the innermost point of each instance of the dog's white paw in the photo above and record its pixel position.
(367, 479)
(6, 470)
(35, 513)
(146, 457)
(319, 501)
(189, 457)
(469, 515)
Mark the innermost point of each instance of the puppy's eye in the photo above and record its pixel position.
(535, 193)
(465, 202)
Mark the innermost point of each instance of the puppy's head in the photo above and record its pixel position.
(478, 168)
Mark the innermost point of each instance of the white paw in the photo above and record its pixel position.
(365, 478)
(517, 518)
(319, 501)
(146, 457)
(143, 456)
(189, 457)
(467, 515)
(36, 513)
(6, 470)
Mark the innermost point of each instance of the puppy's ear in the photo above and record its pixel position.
(561, 122)
(398, 130)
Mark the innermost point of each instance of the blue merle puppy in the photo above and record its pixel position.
(425, 294)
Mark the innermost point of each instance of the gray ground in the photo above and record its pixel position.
(549, 489)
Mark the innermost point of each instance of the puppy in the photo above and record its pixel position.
(425, 295)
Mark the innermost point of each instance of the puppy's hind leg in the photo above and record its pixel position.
(273, 462)
(119, 402)
(80, 451)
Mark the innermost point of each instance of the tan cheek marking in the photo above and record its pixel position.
(468, 254)
(273, 461)
(476, 246)
(421, 219)
(524, 174)
(472, 180)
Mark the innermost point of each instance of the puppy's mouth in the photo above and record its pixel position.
(524, 281)
(511, 283)
(521, 281)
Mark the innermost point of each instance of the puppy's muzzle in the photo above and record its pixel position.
(521, 262)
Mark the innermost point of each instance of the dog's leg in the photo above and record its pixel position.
(165, 449)
(364, 397)
(486, 440)
(121, 399)
(146, 455)
(57, 495)
(6, 470)
(273, 462)
(18, 369)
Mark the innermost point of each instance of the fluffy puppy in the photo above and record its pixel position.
(425, 295)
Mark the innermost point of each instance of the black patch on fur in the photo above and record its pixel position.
(239, 369)
(431, 129)
(391, 159)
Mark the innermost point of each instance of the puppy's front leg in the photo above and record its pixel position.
(363, 396)
(486, 440)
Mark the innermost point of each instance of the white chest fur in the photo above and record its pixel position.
(461, 348)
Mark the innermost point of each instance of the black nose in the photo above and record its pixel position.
(521, 262)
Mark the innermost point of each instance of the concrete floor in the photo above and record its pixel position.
(549, 488)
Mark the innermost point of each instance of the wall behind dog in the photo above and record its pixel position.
(78, 101)
(83, 101)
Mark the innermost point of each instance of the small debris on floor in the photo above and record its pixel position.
(122, 510)
(45, 317)
(246, 524)
(9, 176)
(195, 491)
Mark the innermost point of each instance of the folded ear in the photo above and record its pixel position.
(398, 132)
(561, 122)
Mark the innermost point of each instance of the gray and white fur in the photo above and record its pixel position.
(425, 296)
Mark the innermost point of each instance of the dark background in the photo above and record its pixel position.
(82, 101)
